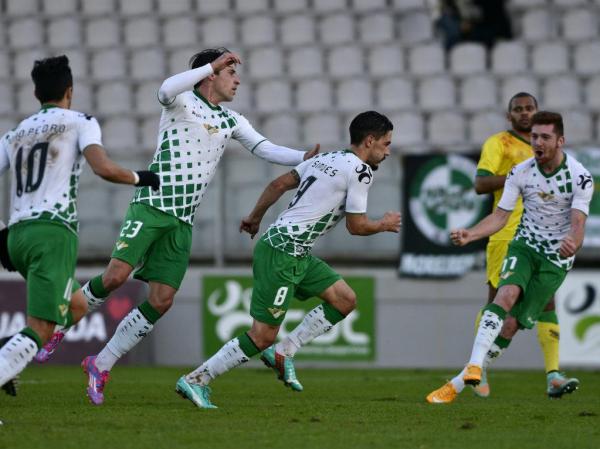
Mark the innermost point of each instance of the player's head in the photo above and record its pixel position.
(371, 132)
(547, 136)
(223, 83)
(521, 107)
(52, 79)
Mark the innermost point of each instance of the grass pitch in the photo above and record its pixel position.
(338, 409)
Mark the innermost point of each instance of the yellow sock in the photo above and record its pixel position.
(548, 332)
(477, 320)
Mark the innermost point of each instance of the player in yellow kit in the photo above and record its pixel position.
(500, 153)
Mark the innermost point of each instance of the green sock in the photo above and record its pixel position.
(502, 342)
(247, 345)
(97, 287)
(495, 308)
(332, 315)
(149, 312)
(29, 332)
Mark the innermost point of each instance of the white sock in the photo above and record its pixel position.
(226, 358)
(489, 328)
(15, 355)
(313, 325)
(492, 355)
(458, 382)
(130, 331)
(93, 301)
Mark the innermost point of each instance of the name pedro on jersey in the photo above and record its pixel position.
(327, 169)
(42, 129)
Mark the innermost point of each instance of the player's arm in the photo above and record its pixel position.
(486, 179)
(486, 227)
(488, 183)
(574, 239)
(4, 160)
(109, 170)
(270, 195)
(360, 224)
(176, 84)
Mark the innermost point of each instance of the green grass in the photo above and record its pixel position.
(338, 409)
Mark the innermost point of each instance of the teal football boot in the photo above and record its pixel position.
(283, 366)
(198, 394)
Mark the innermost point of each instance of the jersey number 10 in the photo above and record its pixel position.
(31, 185)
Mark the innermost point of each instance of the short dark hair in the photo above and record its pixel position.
(369, 123)
(51, 77)
(522, 95)
(549, 118)
(206, 57)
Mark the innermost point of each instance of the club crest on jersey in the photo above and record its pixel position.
(546, 196)
(211, 129)
(121, 245)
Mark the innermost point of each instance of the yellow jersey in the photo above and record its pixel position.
(499, 154)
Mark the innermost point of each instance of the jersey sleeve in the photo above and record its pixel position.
(582, 192)
(89, 132)
(491, 157)
(4, 160)
(359, 183)
(511, 192)
(245, 134)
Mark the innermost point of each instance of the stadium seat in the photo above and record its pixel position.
(149, 133)
(135, 7)
(6, 101)
(27, 104)
(336, 29)
(218, 31)
(550, 58)
(580, 25)
(538, 25)
(376, 28)
(258, 30)
(83, 97)
(23, 62)
(141, 32)
(561, 92)
(120, 135)
(509, 58)
(174, 7)
(395, 94)
(25, 33)
(59, 7)
(305, 62)
(265, 63)
(179, 32)
(345, 61)
(273, 96)
(362, 6)
(64, 32)
(178, 60)
(245, 7)
(314, 95)
(282, 129)
(78, 61)
(484, 124)
(102, 33)
(592, 93)
(322, 128)
(4, 65)
(354, 95)
(478, 93)
(409, 131)
(527, 4)
(518, 83)
(94, 7)
(95, 201)
(436, 93)
(415, 27)
(297, 30)
(446, 129)
(569, 3)
(108, 65)
(147, 64)
(426, 59)
(326, 6)
(578, 127)
(385, 60)
(467, 59)
(242, 102)
(146, 100)
(290, 6)
(113, 98)
(96, 236)
(210, 7)
(16, 8)
(408, 5)
(587, 58)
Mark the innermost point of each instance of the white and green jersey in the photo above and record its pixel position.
(547, 201)
(45, 154)
(331, 185)
(193, 135)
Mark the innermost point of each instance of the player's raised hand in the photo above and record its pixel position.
(250, 226)
(224, 60)
(392, 221)
(460, 237)
(568, 247)
(313, 152)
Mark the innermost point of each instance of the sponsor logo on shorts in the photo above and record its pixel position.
(63, 309)
(121, 245)
(276, 312)
(506, 275)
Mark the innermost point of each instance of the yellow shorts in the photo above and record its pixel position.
(495, 253)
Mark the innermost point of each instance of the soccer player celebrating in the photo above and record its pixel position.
(556, 192)
(156, 234)
(500, 153)
(329, 187)
(45, 152)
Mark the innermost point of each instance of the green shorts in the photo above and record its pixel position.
(279, 277)
(45, 253)
(538, 278)
(158, 243)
